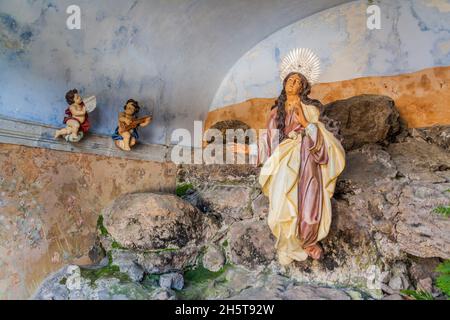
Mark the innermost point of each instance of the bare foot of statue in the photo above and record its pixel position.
(315, 251)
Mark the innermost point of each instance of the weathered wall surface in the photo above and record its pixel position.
(169, 55)
(49, 205)
(414, 35)
(421, 98)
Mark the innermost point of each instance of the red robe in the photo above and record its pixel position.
(84, 127)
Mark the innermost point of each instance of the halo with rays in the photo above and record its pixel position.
(301, 60)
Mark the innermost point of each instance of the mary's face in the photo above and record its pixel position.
(293, 85)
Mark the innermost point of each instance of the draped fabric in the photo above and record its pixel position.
(299, 177)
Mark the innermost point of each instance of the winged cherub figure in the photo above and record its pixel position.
(76, 119)
(126, 133)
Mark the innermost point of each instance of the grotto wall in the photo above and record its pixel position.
(406, 59)
(130, 48)
(49, 205)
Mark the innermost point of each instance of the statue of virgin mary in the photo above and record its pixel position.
(301, 160)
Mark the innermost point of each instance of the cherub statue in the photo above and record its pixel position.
(76, 119)
(126, 133)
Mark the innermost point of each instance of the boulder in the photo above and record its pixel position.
(171, 281)
(438, 135)
(149, 221)
(214, 259)
(392, 192)
(422, 268)
(260, 206)
(127, 263)
(164, 261)
(276, 287)
(75, 283)
(251, 243)
(419, 160)
(230, 202)
(364, 119)
(420, 231)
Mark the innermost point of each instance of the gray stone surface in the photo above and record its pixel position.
(127, 263)
(364, 119)
(150, 221)
(214, 259)
(231, 202)
(251, 243)
(260, 206)
(384, 236)
(171, 281)
(69, 284)
(35, 135)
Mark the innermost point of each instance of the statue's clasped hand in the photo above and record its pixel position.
(294, 134)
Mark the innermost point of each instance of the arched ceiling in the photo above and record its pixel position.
(175, 53)
(211, 37)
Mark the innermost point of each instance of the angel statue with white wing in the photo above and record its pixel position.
(76, 119)
(301, 161)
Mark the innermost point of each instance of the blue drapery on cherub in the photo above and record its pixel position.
(117, 136)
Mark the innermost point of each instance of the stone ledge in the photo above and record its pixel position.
(32, 134)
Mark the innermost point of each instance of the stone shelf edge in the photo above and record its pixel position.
(31, 134)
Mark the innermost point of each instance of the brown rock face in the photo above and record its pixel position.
(439, 135)
(251, 243)
(420, 103)
(383, 213)
(364, 119)
(394, 193)
(229, 201)
(49, 204)
(148, 221)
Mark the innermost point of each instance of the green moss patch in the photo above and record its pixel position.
(101, 227)
(110, 271)
(200, 283)
(443, 211)
(183, 188)
(116, 245)
(443, 281)
(201, 274)
(418, 295)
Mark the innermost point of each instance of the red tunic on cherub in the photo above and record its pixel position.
(84, 127)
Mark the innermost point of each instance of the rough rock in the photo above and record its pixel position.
(149, 221)
(384, 236)
(281, 288)
(438, 135)
(384, 192)
(364, 119)
(69, 283)
(251, 243)
(419, 230)
(168, 260)
(214, 259)
(204, 175)
(171, 281)
(163, 294)
(314, 293)
(260, 206)
(421, 161)
(96, 252)
(425, 285)
(421, 268)
(127, 263)
(230, 202)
